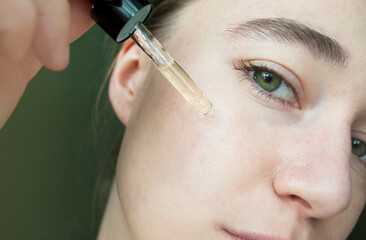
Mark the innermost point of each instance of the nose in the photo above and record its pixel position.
(315, 173)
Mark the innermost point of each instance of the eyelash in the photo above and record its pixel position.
(358, 161)
(246, 67)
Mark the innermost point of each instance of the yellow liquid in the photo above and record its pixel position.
(171, 69)
(185, 85)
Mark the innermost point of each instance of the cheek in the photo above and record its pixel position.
(176, 164)
(347, 219)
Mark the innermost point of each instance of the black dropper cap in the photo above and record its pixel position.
(120, 17)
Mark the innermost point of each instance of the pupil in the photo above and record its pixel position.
(358, 148)
(267, 77)
(356, 144)
(267, 81)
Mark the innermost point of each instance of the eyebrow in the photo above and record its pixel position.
(292, 32)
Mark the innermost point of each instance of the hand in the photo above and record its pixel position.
(35, 33)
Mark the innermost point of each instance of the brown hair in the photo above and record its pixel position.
(107, 131)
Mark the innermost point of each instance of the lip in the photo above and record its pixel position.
(236, 235)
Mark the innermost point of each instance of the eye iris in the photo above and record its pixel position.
(267, 81)
(358, 148)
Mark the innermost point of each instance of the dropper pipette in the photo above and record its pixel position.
(171, 70)
(122, 19)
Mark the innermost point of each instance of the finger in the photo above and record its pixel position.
(13, 81)
(80, 18)
(17, 28)
(52, 35)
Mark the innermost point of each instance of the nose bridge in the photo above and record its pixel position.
(327, 133)
(317, 168)
(327, 139)
(327, 161)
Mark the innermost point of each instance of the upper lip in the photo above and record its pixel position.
(251, 235)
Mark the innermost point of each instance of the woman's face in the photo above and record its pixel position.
(275, 156)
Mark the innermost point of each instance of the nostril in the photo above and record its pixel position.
(299, 200)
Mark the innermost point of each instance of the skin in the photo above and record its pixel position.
(250, 165)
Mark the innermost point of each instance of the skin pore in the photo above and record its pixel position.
(259, 164)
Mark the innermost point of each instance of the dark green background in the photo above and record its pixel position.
(52, 153)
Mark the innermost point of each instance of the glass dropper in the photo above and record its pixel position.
(170, 69)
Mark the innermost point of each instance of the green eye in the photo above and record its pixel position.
(268, 81)
(358, 148)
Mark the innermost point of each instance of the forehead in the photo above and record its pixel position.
(327, 12)
(343, 20)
